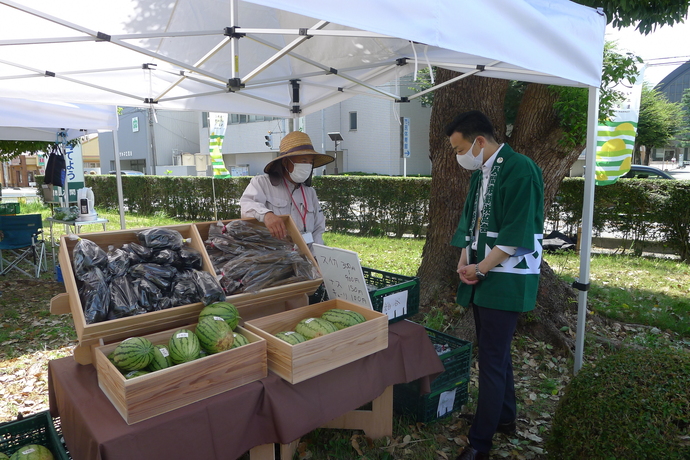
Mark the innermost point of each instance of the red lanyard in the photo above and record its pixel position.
(306, 208)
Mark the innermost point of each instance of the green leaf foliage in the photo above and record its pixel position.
(659, 119)
(12, 149)
(633, 404)
(645, 15)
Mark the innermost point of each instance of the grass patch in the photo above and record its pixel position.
(639, 290)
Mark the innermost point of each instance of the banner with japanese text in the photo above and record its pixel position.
(218, 122)
(616, 137)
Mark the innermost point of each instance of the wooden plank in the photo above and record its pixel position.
(159, 392)
(59, 305)
(296, 363)
(376, 423)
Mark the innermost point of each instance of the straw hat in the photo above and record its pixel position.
(298, 143)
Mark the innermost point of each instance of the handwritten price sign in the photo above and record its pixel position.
(342, 274)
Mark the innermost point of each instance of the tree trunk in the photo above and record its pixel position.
(535, 133)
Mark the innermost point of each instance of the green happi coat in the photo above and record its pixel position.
(513, 215)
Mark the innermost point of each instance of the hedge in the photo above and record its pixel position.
(639, 209)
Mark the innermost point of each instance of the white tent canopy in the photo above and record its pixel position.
(23, 120)
(182, 54)
(291, 58)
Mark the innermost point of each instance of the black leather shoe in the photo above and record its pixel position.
(470, 453)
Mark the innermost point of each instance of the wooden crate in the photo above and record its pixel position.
(159, 392)
(296, 363)
(278, 292)
(249, 305)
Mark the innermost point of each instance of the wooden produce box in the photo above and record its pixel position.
(296, 363)
(118, 329)
(159, 392)
(245, 301)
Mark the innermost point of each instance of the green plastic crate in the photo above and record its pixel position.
(34, 429)
(456, 362)
(9, 209)
(386, 284)
(425, 408)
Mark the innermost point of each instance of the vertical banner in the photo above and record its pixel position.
(616, 137)
(217, 123)
(405, 137)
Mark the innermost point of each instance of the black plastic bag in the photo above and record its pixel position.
(165, 257)
(148, 294)
(94, 295)
(184, 292)
(118, 262)
(160, 275)
(87, 255)
(160, 238)
(123, 298)
(137, 253)
(189, 259)
(208, 287)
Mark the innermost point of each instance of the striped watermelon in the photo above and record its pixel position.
(3, 456)
(343, 318)
(291, 337)
(311, 328)
(225, 310)
(132, 374)
(32, 452)
(133, 353)
(161, 358)
(214, 334)
(239, 340)
(183, 346)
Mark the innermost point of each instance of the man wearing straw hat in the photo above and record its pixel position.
(286, 189)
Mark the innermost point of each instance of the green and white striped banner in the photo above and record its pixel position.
(616, 137)
(218, 123)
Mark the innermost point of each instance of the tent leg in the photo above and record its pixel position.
(587, 217)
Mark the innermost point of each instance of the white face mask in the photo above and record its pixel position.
(300, 172)
(469, 161)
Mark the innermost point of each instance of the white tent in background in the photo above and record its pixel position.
(287, 58)
(24, 120)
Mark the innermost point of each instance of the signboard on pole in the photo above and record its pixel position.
(405, 140)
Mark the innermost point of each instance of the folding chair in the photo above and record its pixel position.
(22, 242)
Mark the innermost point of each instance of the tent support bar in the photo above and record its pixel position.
(452, 80)
(286, 50)
(587, 218)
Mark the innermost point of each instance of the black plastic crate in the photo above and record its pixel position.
(408, 402)
(383, 284)
(457, 361)
(34, 429)
(9, 209)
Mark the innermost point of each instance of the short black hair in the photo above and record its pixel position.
(471, 124)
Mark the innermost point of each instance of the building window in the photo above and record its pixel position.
(353, 121)
(204, 119)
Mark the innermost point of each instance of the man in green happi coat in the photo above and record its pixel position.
(500, 233)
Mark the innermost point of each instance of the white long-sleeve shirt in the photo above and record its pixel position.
(261, 196)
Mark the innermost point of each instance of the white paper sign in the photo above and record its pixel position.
(342, 274)
(395, 305)
(445, 403)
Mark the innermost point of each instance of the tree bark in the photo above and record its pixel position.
(535, 133)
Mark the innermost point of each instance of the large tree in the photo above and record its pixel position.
(548, 126)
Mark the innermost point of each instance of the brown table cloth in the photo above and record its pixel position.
(225, 426)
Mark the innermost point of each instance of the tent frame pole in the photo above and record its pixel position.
(587, 218)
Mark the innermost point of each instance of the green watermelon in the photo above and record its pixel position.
(291, 337)
(343, 318)
(133, 354)
(32, 452)
(311, 328)
(239, 340)
(161, 359)
(183, 346)
(225, 310)
(3, 456)
(132, 374)
(214, 334)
